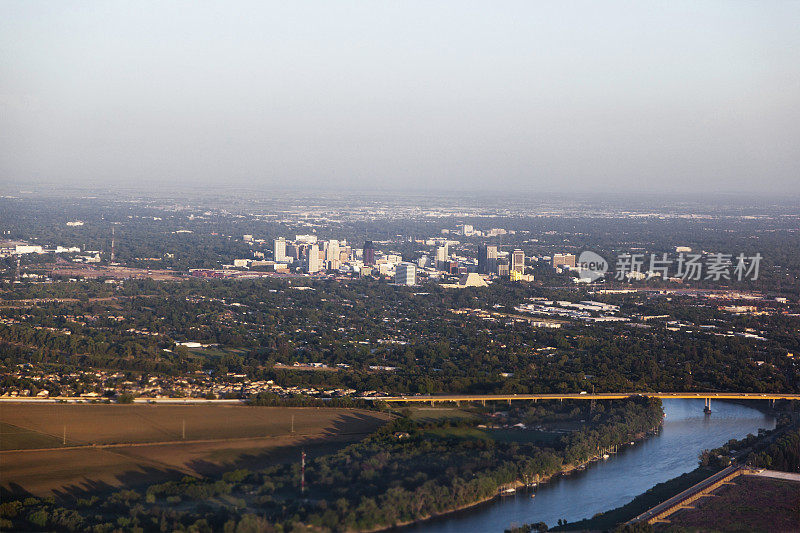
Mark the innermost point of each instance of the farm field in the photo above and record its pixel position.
(114, 445)
(17, 438)
(751, 503)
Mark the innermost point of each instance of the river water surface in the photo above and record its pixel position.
(606, 485)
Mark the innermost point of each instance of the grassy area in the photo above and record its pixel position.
(460, 433)
(498, 435)
(640, 504)
(213, 352)
(437, 414)
(525, 435)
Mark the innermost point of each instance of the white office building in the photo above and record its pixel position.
(305, 239)
(313, 261)
(441, 253)
(279, 250)
(405, 274)
(332, 251)
(21, 249)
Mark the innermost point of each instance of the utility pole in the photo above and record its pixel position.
(112, 243)
(303, 472)
(183, 430)
(19, 273)
(292, 424)
(64, 440)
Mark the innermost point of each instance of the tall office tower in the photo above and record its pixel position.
(369, 253)
(483, 257)
(563, 259)
(487, 259)
(405, 274)
(491, 256)
(312, 259)
(518, 261)
(441, 257)
(279, 250)
(332, 251)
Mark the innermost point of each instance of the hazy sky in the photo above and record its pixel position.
(681, 96)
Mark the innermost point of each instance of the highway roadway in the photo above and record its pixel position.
(584, 396)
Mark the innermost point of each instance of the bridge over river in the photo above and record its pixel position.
(707, 396)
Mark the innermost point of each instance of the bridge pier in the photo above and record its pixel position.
(707, 408)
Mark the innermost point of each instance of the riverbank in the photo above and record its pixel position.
(466, 507)
(566, 470)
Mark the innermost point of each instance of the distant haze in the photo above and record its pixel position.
(554, 96)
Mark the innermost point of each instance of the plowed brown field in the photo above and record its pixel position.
(116, 445)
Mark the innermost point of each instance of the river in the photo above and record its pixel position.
(606, 485)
